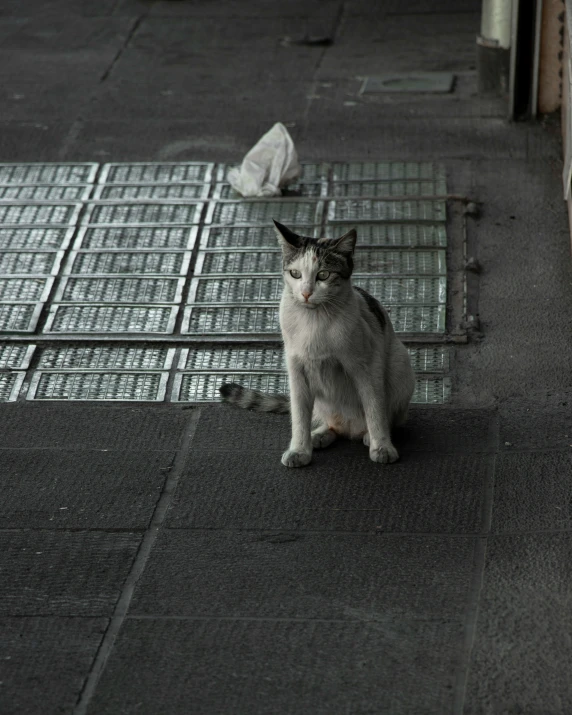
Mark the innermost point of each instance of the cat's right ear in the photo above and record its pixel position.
(289, 240)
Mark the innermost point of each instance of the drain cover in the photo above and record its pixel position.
(441, 82)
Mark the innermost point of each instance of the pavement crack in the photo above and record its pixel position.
(124, 46)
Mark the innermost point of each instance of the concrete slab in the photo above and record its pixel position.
(520, 660)
(533, 492)
(44, 661)
(49, 573)
(547, 426)
(90, 427)
(80, 489)
(262, 667)
(345, 576)
(343, 490)
(33, 140)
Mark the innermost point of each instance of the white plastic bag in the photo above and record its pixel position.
(269, 165)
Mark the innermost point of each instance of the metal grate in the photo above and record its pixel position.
(230, 320)
(287, 211)
(143, 213)
(131, 192)
(124, 386)
(248, 236)
(204, 387)
(392, 234)
(67, 173)
(129, 263)
(30, 214)
(431, 391)
(386, 189)
(142, 237)
(15, 357)
(232, 358)
(22, 290)
(19, 317)
(35, 238)
(386, 171)
(10, 385)
(19, 263)
(110, 319)
(120, 290)
(79, 192)
(374, 210)
(105, 357)
(156, 173)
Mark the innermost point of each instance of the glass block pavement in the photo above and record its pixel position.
(140, 252)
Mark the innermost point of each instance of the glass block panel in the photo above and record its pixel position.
(417, 318)
(371, 260)
(387, 189)
(19, 317)
(22, 290)
(313, 189)
(241, 262)
(130, 263)
(32, 263)
(229, 320)
(288, 211)
(30, 214)
(144, 213)
(248, 236)
(110, 319)
(10, 385)
(45, 193)
(105, 357)
(374, 210)
(147, 386)
(142, 237)
(47, 173)
(392, 234)
(236, 290)
(121, 290)
(386, 171)
(156, 173)
(405, 290)
(204, 387)
(434, 358)
(118, 192)
(233, 358)
(34, 238)
(14, 357)
(432, 391)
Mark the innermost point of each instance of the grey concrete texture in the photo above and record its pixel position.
(158, 559)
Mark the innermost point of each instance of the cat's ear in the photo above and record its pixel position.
(346, 243)
(288, 239)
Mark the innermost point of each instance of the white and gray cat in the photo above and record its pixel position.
(349, 374)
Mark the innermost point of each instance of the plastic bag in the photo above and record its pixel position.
(269, 165)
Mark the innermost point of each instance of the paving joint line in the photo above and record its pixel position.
(137, 568)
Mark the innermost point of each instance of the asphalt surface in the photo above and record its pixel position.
(160, 559)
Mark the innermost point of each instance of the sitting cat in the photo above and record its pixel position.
(348, 372)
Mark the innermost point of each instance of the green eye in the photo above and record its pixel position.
(295, 274)
(322, 275)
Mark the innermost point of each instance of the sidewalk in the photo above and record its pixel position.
(158, 558)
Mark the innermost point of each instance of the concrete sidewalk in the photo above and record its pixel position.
(158, 558)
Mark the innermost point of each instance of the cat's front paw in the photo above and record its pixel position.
(320, 440)
(386, 454)
(296, 459)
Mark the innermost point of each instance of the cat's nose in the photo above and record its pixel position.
(306, 294)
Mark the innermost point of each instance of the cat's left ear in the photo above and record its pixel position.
(346, 243)
(288, 239)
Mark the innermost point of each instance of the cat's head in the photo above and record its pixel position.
(316, 270)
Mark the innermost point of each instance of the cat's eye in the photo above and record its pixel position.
(322, 275)
(295, 274)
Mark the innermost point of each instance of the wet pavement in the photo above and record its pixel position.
(156, 556)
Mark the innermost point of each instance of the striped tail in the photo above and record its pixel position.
(254, 400)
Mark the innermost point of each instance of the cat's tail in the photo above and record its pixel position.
(254, 400)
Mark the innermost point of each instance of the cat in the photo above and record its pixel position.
(349, 374)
